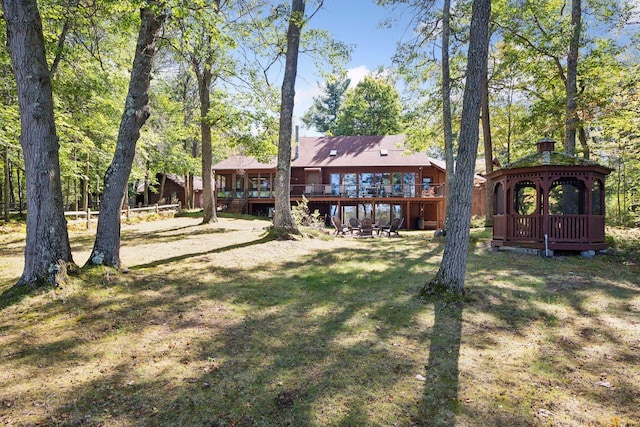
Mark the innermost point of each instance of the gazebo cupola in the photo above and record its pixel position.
(549, 201)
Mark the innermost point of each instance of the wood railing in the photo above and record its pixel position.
(344, 191)
(124, 213)
(526, 227)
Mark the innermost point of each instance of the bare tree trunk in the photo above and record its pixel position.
(145, 195)
(106, 249)
(85, 183)
(446, 104)
(571, 119)
(6, 194)
(20, 192)
(488, 150)
(451, 274)
(582, 137)
(204, 82)
(284, 224)
(47, 251)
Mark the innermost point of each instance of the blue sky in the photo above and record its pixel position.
(355, 22)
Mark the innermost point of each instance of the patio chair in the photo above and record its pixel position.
(355, 224)
(393, 226)
(366, 227)
(340, 227)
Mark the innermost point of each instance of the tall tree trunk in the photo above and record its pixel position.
(582, 137)
(85, 186)
(145, 195)
(451, 274)
(106, 249)
(163, 181)
(47, 251)
(20, 188)
(284, 224)
(571, 119)
(204, 90)
(6, 194)
(488, 150)
(446, 105)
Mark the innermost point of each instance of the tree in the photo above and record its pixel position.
(446, 104)
(371, 108)
(451, 274)
(323, 112)
(552, 78)
(106, 249)
(47, 251)
(571, 113)
(283, 221)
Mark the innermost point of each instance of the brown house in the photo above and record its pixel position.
(347, 176)
(173, 191)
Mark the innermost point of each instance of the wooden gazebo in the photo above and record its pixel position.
(549, 201)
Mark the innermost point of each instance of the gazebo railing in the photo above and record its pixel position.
(526, 227)
(562, 228)
(569, 228)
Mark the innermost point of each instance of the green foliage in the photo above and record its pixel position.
(371, 108)
(323, 113)
(303, 216)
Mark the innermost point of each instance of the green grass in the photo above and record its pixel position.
(244, 330)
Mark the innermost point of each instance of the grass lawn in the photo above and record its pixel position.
(219, 325)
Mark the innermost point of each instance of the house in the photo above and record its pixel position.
(345, 176)
(174, 190)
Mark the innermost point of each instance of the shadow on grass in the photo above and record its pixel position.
(440, 400)
(328, 336)
(264, 239)
(312, 334)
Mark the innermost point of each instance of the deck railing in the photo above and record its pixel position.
(353, 191)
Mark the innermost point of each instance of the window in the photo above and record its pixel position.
(498, 199)
(366, 184)
(333, 153)
(383, 213)
(566, 197)
(384, 152)
(349, 181)
(365, 210)
(335, 184)
(596, 198)
(409, 185)
(525, 198)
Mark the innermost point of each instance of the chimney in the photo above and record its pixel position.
(545, 144)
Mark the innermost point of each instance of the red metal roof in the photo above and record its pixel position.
(349, 151)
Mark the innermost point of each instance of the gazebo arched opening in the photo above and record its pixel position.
(549, 201)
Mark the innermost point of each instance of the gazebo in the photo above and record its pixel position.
(549, 201)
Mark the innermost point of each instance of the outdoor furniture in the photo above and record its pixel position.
(393, 226)
(366, 227)
(377, 227)
(340, 227)
(354, 224)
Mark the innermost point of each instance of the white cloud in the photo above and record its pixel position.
(357, 74)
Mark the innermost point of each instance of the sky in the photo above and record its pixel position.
(354, 22)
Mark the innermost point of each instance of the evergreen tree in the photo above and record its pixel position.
(323, 113)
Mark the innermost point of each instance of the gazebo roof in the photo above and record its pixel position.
(546, 158)
(549, 158)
